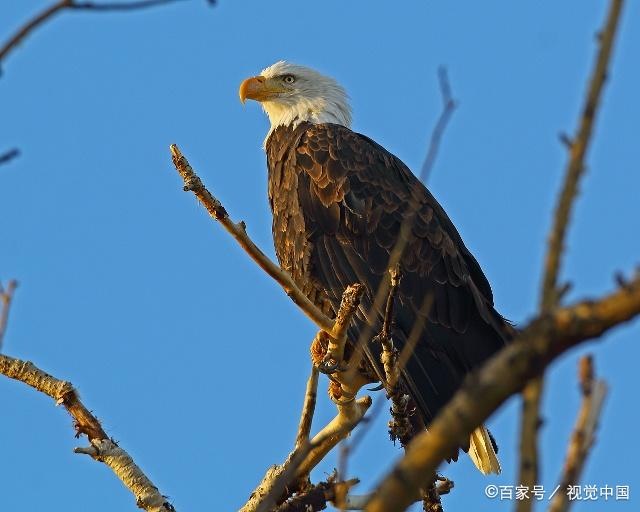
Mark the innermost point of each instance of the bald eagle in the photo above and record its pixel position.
(338, 201)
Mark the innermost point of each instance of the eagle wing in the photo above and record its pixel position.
(354, 196)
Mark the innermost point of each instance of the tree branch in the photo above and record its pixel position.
(317, 496)
(49, 12)
(308, 408)
(575, 166)
(503, 375)
(102, 448)
(582, 439)
(408, 221)
(6, 296)
(448, 106)
(550, 293)
(9, 155)
(238, 230)
(306, 455)
(302, 460)
(351, 411)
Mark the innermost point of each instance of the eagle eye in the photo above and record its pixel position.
(288, 79)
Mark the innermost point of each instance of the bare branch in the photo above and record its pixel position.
(578, 150)
(339, 428)
(302, 460)
(306, 455)
(120, 6)
(238, 230)
(102, 448)
(551, 292)
(48, 13)
(317, 496)
(529, 427)
(31, 25)
(582, 439)
(308, 408)
(448, 106)
(7, 156)
(400, 425)
(351, 411)
(334, 357)
(502, 376)
(389, 355)
(408, 221)
(6, 296)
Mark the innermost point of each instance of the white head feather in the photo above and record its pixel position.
(310, 97)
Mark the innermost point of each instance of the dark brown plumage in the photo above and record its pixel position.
(338, 201)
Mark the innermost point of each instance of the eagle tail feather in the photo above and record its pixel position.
(482, 451)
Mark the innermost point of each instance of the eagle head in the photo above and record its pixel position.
(291, 94)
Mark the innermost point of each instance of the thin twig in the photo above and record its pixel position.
(389, 355)
(307, 454)
(405, 228)
(9, 155)
(529, 426)
(503, 375)
(49, 12)
(416, 331)
(582, 439)
(337, 342)
(576, 166)
(350, 412)
(120, 6)
(31, 25)
(448, 106)
(6, 296)
(550, 292)
(308, 408)
(102, 448)
(400, 426)
(347, 448)
(238, 230)
(384, 293)
(303, 459)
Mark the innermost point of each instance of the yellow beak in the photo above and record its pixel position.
(259, 88)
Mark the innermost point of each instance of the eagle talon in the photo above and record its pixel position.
(327, 369)
(329, 366)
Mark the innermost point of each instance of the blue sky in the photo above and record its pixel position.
(194, 360)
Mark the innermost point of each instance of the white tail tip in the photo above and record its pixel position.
(482, 453)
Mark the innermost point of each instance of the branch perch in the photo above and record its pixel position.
(302, 460)
(102, 448)
(6, 296)
(593, 395)
(238, 230)
(308, 408)
(551, 293)
(9, 155)
(502, 376)
(306, 455)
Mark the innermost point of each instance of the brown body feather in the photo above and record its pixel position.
(338, 201)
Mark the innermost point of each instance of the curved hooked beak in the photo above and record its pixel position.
(259, 88)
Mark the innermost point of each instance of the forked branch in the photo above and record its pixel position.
(583, 436)
(502, 376)
(101, 448)
(551, 292)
